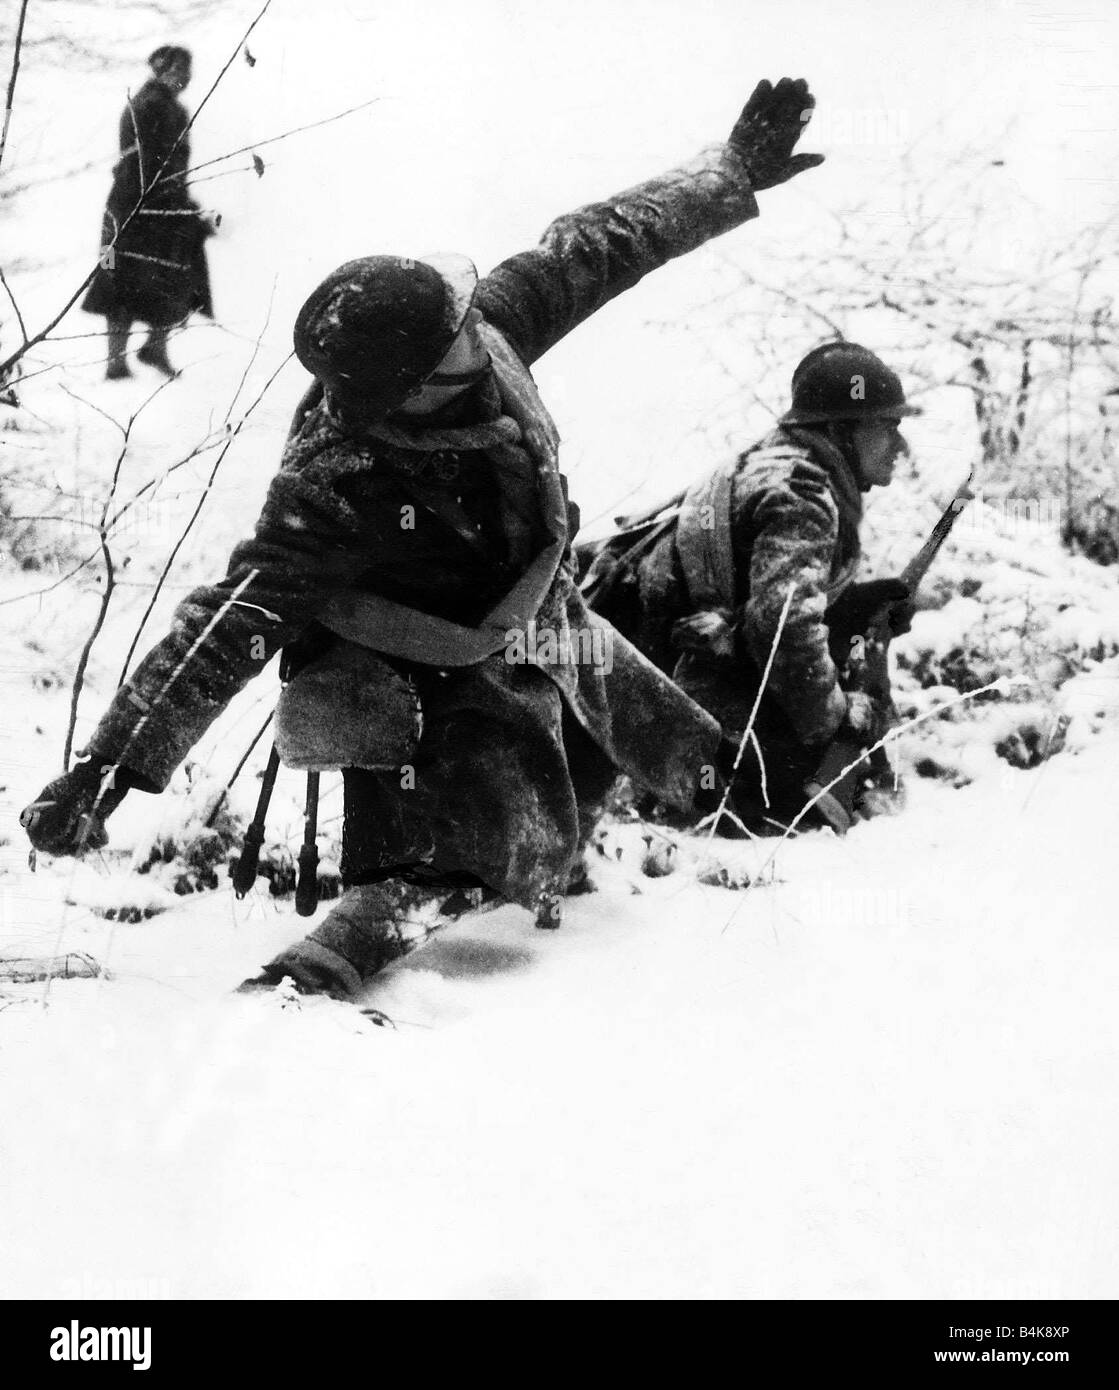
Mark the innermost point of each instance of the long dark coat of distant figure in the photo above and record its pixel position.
(156, 271)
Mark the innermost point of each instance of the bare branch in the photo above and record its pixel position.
(220, 800)
(50, 588)
(110, 575)
(274, 139)
(102, 610)
(12, 79)
(194, 517)
(748, 731)
(15, 306)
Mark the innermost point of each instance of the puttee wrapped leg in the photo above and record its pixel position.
(372, 925)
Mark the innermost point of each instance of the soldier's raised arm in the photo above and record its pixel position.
(588, 257)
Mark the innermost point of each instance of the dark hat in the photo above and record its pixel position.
(167, 56)
(376, 328)
(843, 381)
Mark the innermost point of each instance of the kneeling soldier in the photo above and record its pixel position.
(701, 590)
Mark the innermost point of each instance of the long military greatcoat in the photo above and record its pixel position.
(155, 270)
(508, 751)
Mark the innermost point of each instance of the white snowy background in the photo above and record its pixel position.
(886, 1069)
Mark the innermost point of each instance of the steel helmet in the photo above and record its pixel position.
(843, 381)
(377, 327)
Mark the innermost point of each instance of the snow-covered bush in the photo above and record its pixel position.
(1003, 599)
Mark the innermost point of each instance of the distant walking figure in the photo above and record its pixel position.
(154, 268)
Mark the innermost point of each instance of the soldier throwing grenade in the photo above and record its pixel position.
(418, 516)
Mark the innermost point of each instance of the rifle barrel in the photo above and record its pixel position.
(918, 567)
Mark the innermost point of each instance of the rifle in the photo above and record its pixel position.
(868, 669)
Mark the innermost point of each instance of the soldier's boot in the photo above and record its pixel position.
(154, 352)
(590, 802)
(579, 876)
(551, 903)
(117, 365)
(372, 925)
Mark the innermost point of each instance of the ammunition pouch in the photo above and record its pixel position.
(348, 707)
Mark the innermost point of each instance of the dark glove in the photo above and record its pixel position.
(61, 820)
(900, 616)
(771, 123)
(708, 632)
(858, 605)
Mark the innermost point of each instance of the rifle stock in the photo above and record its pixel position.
(836, 804)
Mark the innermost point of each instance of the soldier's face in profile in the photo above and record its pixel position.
(879, 444)
(177, 76)
(465, 362)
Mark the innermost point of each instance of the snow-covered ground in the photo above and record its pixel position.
(886, 1069)
(889, 1074)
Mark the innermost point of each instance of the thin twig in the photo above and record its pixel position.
(12, 79)
(113, 520)
(161, 695)
(109, 777)
(92, 405)
(46, 516)
(110, 573)
(1000, 683)
(162, 477)
(193, 518)
(50, 588)
(83, 658)
(748, 731)
(256, 350)
(273, 139)
(237, 770)
(15, 306)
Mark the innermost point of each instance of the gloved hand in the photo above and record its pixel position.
(771, 123)
(708, 632)
(900, 616)
(856, 607)
(865, 719)
(61, 820)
